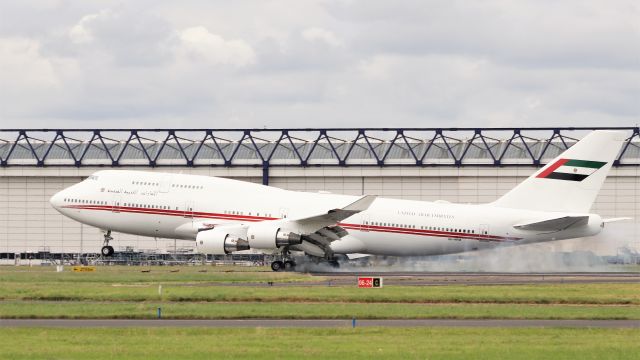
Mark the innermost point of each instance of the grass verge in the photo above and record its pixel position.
(283, 310)
(620, 294)
(251, 343)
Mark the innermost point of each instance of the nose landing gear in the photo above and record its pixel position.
(107, 250)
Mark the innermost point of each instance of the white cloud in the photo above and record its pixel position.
(198, 42)
(289, 63)
(30, 81)
(320, 34)
(24, 69)
(81, 33)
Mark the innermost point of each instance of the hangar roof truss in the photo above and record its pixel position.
(297, 147)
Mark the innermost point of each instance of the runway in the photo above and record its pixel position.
(272, 323)
(448, 278)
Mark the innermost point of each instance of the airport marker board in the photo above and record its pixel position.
(369, 282)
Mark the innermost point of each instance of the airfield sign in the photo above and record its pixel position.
(369, 282)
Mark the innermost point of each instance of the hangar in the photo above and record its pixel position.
(467, 165)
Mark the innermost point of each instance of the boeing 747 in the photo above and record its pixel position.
(223, 216)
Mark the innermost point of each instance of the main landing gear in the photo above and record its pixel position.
(284, 264)
(107, 250)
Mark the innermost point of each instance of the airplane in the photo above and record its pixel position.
(224, 216)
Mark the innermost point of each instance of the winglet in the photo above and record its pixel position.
(361, 204)
(339, 214)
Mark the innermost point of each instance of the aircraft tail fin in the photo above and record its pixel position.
(571, 182)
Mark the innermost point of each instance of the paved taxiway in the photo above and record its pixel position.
(453, 278)
(68, 323)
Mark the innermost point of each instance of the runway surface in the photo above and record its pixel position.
(67, 323)
(453, 278)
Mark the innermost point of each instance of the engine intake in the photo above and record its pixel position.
(219, 242)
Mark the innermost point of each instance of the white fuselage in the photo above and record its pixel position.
(176, 205)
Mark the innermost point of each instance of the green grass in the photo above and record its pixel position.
(285, 310)
(126, 292)
(295, 343)
(155, 274)
(536, 294)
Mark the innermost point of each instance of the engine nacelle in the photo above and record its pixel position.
(270, 235)
(219, 242)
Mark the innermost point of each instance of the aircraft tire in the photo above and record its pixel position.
(277, 265)
(107, 251)
(289, 265)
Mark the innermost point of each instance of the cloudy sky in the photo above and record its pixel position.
(343, 63)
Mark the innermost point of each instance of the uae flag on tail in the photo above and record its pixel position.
(570, 169)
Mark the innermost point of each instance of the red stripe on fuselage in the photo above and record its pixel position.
(434, 233)
(374, 228)
(180, 213)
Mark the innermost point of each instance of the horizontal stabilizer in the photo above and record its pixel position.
(357, 256)
(555, 224)
(616, 219)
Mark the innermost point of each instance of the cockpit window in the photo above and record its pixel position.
(92, 177)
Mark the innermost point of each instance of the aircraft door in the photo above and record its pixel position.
(116, 204)
(483, 229)
(188, 210)
(364, 226)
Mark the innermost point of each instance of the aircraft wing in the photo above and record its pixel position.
(320, 230)
(555, 224)
(334, 216)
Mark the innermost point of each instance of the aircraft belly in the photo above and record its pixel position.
(135, 224)
(410, 245)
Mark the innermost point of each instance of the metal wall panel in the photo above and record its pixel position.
(28, 223)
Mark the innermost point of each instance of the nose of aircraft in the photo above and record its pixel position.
(57, 199)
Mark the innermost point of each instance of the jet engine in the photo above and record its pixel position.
(219, 242)
(271, 235)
